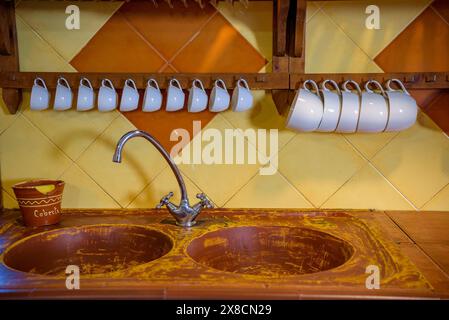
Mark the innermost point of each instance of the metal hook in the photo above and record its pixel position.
(432, 78)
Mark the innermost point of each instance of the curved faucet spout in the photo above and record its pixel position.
(184, 214)
(139, 133)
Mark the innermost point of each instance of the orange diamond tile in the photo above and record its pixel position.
(219, 48)
(422, 46)
(167, 29)
(116, 47)
(161, 123)
(168, 69)
(438, 110)
(424, 97)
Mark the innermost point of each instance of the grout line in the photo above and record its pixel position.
(6, 191)
(439, 14)
(145, 186)
(239, 189)
(392, 40)
(434, 196)
(379, 172)
(97, 137)
(189, 41)
(46, 137)
(297, 190)
(403, 29)
(148, 43)
(79, 167)
(39, 36)
(347, 36)
(10, 124)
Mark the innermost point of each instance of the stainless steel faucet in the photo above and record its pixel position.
(184, 214)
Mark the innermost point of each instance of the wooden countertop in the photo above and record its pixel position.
(411, 248)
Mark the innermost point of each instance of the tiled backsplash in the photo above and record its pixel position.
(406, 170)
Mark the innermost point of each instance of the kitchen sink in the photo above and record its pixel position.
(270, 251)
(95, 249)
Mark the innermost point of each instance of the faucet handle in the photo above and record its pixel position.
(204, 200)
(165, 200)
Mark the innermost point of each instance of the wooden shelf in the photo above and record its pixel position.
(411, 80)
(24, 80)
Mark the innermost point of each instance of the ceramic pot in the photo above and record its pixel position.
(39, 201)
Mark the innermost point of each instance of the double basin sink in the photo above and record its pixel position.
(251, 250)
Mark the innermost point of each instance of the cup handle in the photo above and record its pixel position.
(355, 84)
(156, 85)
(245, 84)
(325, 82)
(399, 83)
(133, 84)
(219, 81)
(86, 81)
(176, 82)
(37, 80)
(64, 81)
(107, 81)
(377, 85)
(313, 83)
(198, 83)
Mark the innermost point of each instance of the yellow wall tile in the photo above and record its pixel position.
(416, 161)
(6, 118)
(70, 130)
(318, 164)
(220, 181)
(141, 163)
(368, 189)
(263, 115)
(35, 54)
(80, 191)
(48, 19)
(268, 192)
(8, 201)
(161, 186)
(395, 16)
(440, 202)
(368, 143)
(26, 154)
(254, 23)
(329, 50)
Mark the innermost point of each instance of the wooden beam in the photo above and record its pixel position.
(411, 80)
(280, 15)
(260, 81)
(9, 56)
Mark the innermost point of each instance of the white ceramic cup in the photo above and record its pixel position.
(152, 99)
(130, 96)
(306, 111)
(373, 109)
(63, 95)
(350, 108)
(39, 95)
(86, 95)
(242, 98)
(219, 97)
(332, 107)
(197, 101)
(403, 108)
(175, 96)
(107, 96)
